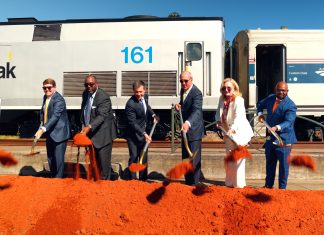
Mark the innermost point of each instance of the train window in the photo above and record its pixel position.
(194, 51)
(49, 32)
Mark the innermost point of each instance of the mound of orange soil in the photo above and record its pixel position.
(32, 205)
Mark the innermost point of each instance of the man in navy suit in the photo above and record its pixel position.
(98, 123)
(55, 125)
(191, 107)
(138, 114)
(281, 115)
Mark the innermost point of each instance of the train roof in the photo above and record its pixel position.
(281, 34)
(137, 18)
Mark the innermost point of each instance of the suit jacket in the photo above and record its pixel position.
(57, 125)
(284, 116)
(102, 120)
(191, 109)
(236, 120)
(137, 119)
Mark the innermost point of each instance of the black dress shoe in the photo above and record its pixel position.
(266, 186)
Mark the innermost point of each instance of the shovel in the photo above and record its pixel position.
(237, 153)
(184, 167)
(135, 167)
(32, 151)
(280, 143)
(185, 139)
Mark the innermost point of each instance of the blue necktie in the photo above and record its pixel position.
(143, 104)
(87, 111)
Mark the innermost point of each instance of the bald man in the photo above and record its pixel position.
(281, 115)
(191, 101)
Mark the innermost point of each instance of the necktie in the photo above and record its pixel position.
(184, 96)
(87, 111)
(275, 105)
(45, 110)
(142, 101)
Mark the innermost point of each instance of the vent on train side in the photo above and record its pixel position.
(157, 83)
(73, 82)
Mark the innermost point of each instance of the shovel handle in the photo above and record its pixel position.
(147, 144)
(33, 146)
(273, 133)
(185, 139)
(225, 133)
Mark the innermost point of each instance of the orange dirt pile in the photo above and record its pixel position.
(7, 159)
(302, 160)
(238, 153)
(31, 205)
(135, 167)
(180, 170)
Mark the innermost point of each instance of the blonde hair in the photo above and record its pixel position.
(236, 91)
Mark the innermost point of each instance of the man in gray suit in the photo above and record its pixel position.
(98, 123)
(55, 125)
(191, 107)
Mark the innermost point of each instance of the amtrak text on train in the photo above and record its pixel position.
(7, 71)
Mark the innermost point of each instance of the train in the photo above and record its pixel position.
(155, 50)
(260, 58)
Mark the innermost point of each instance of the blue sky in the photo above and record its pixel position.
(238, 14)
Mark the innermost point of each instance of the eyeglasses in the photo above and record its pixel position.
(227, 88)
(47, 88)
(281, 90)
(89, 84)
(184, 81)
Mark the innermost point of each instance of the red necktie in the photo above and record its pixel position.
(275, 105)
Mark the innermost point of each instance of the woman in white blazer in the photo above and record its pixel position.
(232, 117)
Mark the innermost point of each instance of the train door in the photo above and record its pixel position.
(194, 62)
(270, 68)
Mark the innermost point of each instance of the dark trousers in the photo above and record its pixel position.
(192, 178)
(55, 157)
(274, 154)
(103, 157)
(135, 149)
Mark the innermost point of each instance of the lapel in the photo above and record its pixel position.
(94, 102)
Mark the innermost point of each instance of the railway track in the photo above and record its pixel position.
(121, 143)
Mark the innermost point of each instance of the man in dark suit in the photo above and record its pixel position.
(98, 123)
(191, 101)
(55, 125)
(138, 114)
(281, 115)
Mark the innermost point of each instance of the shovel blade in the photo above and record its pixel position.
(136, 167)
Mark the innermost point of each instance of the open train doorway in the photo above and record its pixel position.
(270, 68)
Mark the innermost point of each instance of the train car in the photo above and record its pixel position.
(117, 51)
(261, 58)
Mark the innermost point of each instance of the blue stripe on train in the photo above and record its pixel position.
(297, 73)
(305, 73)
